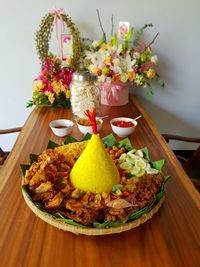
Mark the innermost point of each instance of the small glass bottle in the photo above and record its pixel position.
(84, 93)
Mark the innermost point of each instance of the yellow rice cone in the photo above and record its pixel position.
(94, 171)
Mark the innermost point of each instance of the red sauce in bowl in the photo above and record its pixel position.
(123, 124)
(60, 127)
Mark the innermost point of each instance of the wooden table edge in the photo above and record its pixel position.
(26, 130)
(29, 124)
(188, 185)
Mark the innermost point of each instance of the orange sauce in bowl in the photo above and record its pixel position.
(87, 122)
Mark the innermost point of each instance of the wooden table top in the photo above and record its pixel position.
(170, 238)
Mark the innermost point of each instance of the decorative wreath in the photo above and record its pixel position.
(43, 36)
(51, 87)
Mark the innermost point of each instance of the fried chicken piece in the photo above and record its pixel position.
(43, 187)
(43, 196)
(55, 202)
(146, 189)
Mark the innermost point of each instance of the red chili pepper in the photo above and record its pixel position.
(92, 117)
(113, 197)
(126, 193)
(91, 197)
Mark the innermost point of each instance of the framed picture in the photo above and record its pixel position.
(123, 29)
(66, 46)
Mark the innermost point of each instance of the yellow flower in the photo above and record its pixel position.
(151, 73)
(149, 50)
(58, 87)
(106, 46)
(67, 93)
(37, 85)
(131, 76)
(50, 96)
(107, 60)
(94, 69)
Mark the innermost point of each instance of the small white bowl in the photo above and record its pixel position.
(61, 127)
(123, 131)
(88, 129)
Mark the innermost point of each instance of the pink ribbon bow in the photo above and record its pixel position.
(111, 91)
(57, 12)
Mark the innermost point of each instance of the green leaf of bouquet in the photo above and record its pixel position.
(125, 143)
(70, 139)
(29, 104)
(140, 32)
(103, 40)
(33, 158)
(158, 165)
(116, 186)
(63, 101)
(52, 144)
(149, 93)
(114, 40)
(161, 83)
(145, 153)
(24, 168)
(86, 137)
(109, 140)
(129, 34)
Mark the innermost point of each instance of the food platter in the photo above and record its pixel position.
(87, 230)
(134, 216)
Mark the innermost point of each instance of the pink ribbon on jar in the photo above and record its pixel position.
(111, 91)
(57, 12)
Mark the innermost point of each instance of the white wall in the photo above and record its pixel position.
(175, 109)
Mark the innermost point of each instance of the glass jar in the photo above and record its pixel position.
(84, 93)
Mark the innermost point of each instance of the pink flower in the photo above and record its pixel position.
(136, 55)
(140, 48)
(146, 66)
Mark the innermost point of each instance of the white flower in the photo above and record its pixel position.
(113, 48)
(96, 43)
(130, 63)
(116, 61)
(119, 49)
(154, 59)
(117, 68)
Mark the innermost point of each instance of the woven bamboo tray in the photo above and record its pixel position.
(91, 231)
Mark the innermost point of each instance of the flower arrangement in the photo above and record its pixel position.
(124, 61)
(51, 87)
